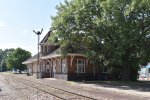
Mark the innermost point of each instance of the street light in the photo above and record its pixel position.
(38, 58)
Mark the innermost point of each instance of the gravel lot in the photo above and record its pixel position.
(12, 90)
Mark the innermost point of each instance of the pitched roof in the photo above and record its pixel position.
(55, 53)
(45, 39)
(30, 60)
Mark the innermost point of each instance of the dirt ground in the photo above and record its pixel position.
(13, 90)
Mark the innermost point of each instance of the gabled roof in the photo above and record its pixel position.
(55, 53)
(30, 60)
(45, 39)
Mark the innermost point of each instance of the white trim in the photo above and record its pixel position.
(75, 54)
(30, 61)
(46, 43)
(52, 56)
(58, 55)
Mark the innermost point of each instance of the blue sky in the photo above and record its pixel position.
(18, 19)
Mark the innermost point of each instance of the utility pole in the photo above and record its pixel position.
(38, 55)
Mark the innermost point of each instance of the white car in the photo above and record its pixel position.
(15, 70)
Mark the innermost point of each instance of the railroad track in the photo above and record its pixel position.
(59, 93)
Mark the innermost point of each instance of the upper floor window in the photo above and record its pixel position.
(80, 65)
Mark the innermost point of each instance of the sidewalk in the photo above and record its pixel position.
(139, 91)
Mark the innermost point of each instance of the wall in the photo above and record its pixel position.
(90, 70)
(57, 68)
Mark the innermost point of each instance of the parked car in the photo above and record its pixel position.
(15, 70)
(24, 71)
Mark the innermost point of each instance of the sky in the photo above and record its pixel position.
(18, 19)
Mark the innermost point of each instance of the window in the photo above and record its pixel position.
(47, 63)
(47, 70)
(47, 66)
(104, 69)
(80, 64)
(63, 66)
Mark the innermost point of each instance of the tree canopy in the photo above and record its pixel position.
(111, 32)
(3, 56)
(16, 58)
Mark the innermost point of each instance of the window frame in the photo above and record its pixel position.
(64, 66)
(77, 65)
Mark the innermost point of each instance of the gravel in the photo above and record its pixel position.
(12, 90)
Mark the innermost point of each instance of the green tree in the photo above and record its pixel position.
(3, 56)
(16, 58)
(110, 32)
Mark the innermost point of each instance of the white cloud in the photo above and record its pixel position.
(2, 25)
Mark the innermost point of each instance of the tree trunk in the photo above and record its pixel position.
(126, 72)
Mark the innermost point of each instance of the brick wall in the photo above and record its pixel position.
(91, 70)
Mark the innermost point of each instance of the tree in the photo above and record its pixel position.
(3, 56)
(111, 32)
(16, 58)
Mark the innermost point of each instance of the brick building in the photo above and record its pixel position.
(73, 66)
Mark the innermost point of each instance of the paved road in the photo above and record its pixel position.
(100, 92)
